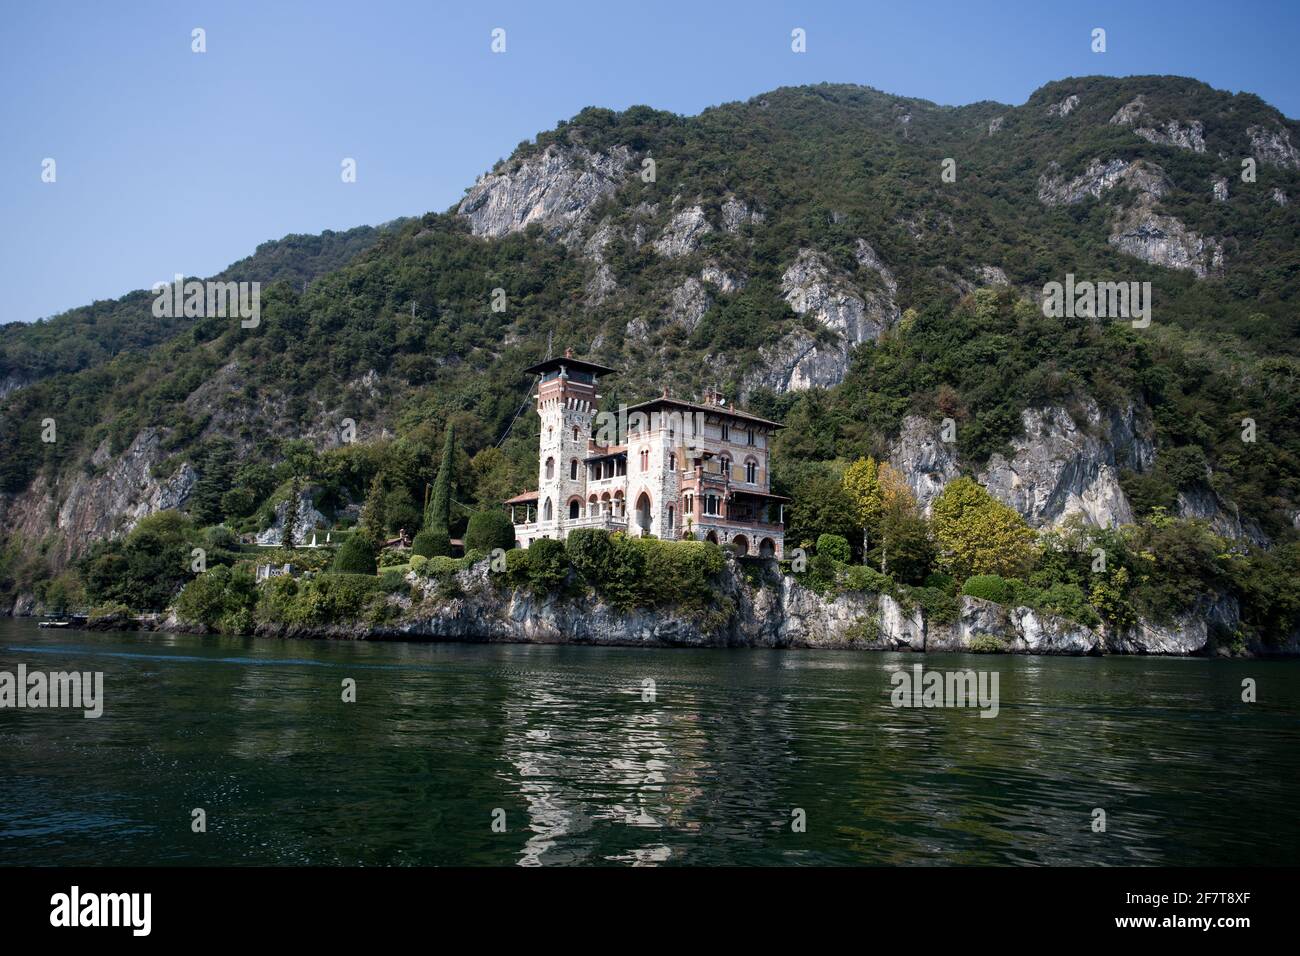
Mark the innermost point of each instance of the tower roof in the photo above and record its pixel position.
(568, 361)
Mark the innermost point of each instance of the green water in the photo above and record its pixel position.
(559, 738)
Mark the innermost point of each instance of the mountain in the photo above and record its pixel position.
(802, 250)
(91, 335)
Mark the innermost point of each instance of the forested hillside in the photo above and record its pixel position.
(804, 251)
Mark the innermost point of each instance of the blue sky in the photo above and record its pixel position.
(170, 161)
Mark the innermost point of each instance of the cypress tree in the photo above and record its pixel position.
(438, 517)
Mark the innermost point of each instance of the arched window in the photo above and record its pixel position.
(751, 471)
(724, 466)
(672, 462)
(547, 513)
(645, 459)
(574, 509)
(550, 468)
(573, 470)
(575, 435)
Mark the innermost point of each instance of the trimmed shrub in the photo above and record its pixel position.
(590, 552)
(990, 587)
(432, 543)
(356, 556)
(859, 577)
(488, 530)
(835, 547)
(547, 564)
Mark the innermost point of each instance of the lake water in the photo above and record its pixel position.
(560, 746)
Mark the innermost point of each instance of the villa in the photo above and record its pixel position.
(689, 470)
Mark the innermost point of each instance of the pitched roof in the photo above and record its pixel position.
(522, 498)
(728, 411)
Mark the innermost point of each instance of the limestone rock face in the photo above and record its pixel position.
(683, 233)
(1165, 241)
(306, 520)
(1220, 186)
(1065, 107)
(1059, 469)
(1187, 634)
(995, 124)
(991, 275)
(125, 491)
(736, 213)
(687, 304)
(1273, 146)
(924, 461)
(1174, 133)
(555, 188)
(724, 281)
(1146, 178)
(1223, 517)
(837, 303)
(1128, 114)
(1279, 197)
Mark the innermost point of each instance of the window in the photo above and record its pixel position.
(573, 470)
(574, 509)
(749, 435)
(546, 511)
(724, 466)
(550, 468)
(575, 435)
(710, 504)
(751, 472)
(726, 432)
(689, 504)
(645, 459)
(672, 462)
(670, 517)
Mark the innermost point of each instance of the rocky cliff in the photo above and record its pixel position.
(779, 612)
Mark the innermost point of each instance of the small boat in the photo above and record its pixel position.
(54, 624)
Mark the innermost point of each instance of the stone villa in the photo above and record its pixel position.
(669, 468)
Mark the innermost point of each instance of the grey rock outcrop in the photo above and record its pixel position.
(837, 303)
(736, 214)
(1065, 107)
(687, 304)
(724, 281)
(1165, 241)
(1174, 133)
(1273, 146)
(306, 520)
(1279, 197)
(1219, 185)
(683, 233)
(925, 462)
(1129, 113)
(555, 188)
(1145, 178)
(1059, 468)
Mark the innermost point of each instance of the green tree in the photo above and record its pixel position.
(439, 514)
(977, 534)
(489, 529)
(356, 555)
